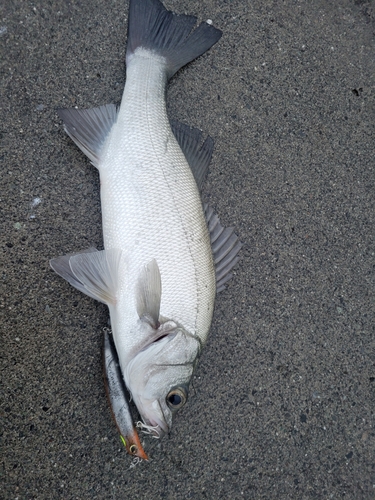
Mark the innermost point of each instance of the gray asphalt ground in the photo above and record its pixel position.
(283, 399)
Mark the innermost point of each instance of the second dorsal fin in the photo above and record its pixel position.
(225, 247)
(198, 155)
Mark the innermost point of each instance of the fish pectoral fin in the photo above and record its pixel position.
(92, 272)
(89, 128)
(197, 155)
(149, 294)
(61, 266)
(225, 247)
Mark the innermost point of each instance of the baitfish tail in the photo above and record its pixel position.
(151, 26)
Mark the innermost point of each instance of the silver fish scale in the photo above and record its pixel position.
(152, 209)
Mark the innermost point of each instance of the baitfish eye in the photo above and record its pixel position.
(176, 399)
(133, 449)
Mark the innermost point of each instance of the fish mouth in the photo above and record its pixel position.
(153, 429)
(161, 430)
(154, 423)
(159, 426)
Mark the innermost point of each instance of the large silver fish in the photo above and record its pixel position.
(158, 273)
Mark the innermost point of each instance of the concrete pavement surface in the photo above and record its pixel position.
(282, 405)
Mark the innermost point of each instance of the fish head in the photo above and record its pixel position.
(158, 378)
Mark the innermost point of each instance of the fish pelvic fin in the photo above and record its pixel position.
(151, 26)
(148, 294)
(92, 272)
(89, 128)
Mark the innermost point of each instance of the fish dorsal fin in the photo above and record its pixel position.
(92, 272)
(198, 155)
(149, 294)
(89, 128)
(225, 247)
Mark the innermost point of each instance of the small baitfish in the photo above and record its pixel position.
(119, 400)
(165, 254)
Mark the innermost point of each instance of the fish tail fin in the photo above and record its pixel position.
(151, 26)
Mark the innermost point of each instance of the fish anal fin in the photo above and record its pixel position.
(89, 128)
(197, 155)
(148, 294)
(92, 272)
(225, 247)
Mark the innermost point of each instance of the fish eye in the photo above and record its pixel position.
(176, 399)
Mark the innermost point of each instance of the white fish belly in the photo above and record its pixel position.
(152, 208)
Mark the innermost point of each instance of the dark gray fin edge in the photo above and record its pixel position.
(153, 27)
(92, 272)
(225, 247)
(198, 155)
(89, 128)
